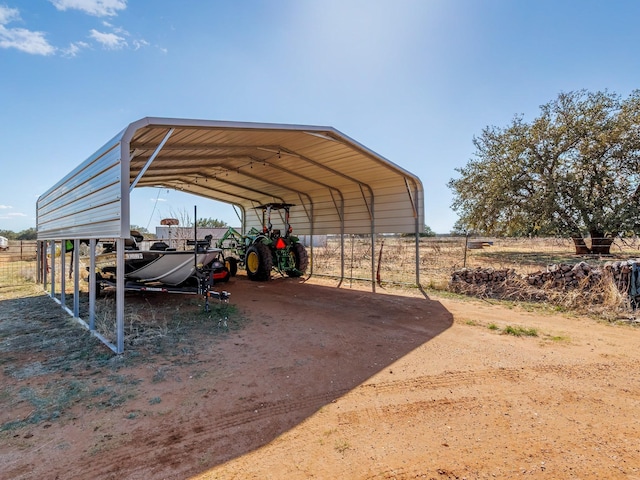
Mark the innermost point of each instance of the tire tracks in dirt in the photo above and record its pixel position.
(169, 447)
(475, 377)
(184, 437)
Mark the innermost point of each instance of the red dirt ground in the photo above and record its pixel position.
(330, 383)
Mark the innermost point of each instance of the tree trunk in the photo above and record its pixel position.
(581, 246)
(600, 245)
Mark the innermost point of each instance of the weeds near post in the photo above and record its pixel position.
(342, 446)
(520, 331)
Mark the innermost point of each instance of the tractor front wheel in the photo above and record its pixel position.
(259, 262)
(232, 265)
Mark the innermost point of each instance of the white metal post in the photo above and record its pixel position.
(53, 268)
(120, 295)
(92, 284)
(75, 257)
(63, 273)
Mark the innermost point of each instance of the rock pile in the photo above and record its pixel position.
(482, 276)
(502, 283)
(560, 277)
(621, 272)
(565, 276)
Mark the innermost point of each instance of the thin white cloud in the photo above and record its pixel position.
(115, 28)
(21, 39)
(110, 41)
(8, 14)
(138, 44)
(158, 199)
(74, 48)
(2, 207)
(97, 8)
(112, 37)
(11, 215)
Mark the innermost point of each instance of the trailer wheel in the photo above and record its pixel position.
(99, 285)
(232, 265)
(300, 259)
(259, 262)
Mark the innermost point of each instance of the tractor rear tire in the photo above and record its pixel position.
(232, 265)
(301, 257)
(259, 262)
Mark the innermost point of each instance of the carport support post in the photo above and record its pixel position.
(38, 262)
(92, 284)
(75, 258)
(341, 252)
(373, 251)
(373, 260)
(418, 259)
(53, 268)
(120, 295)
(418, 253)
(63, 273)
(42, 254)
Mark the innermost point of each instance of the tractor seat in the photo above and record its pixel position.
(130, 244)
(159, 246)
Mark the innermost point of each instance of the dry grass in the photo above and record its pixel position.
(51, 373)
(602, 299)
(163, 323)
(439, 257)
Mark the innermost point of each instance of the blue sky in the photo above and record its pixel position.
(413, 80)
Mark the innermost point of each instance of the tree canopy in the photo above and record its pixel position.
(573, 171)
(28, 234)
(428, 232)
(210, 223)
(184, 219)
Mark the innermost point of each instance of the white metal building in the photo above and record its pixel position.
(337, 185)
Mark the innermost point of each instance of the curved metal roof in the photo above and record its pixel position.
(336, 184)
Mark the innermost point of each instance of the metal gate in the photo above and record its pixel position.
(18, 263)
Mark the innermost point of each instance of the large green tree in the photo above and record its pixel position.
(573, 171)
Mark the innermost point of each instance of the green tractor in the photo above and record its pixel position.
(262, 251)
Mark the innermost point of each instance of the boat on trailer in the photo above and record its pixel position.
(161, 268)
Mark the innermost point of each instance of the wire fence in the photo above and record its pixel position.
(394, 257)
(18, 263)
(438, 257)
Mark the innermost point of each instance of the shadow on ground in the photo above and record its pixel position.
(302, 347)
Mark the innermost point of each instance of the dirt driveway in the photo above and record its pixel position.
(333, 383)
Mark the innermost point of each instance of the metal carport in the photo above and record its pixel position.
(337, 185)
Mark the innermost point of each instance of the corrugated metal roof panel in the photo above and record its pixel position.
(336, 183)
(87, 203)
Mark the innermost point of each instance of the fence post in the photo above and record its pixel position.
(466, 243)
